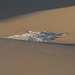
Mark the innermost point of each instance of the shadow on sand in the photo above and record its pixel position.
(73, 45)
(49, 43)
(10, 8)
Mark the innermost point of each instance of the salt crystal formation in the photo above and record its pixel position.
(36, 36)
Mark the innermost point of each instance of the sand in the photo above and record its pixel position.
(56, 57)
(20, 58)
(56, 20)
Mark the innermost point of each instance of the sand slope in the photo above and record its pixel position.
(56, 57)
(10, 8)
(56, 20)
(26, 58)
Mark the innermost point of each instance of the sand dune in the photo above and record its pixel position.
(56, 20)
(27, 58)
(56, 57)
(11, 8)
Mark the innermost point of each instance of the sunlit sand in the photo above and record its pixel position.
(25, 56)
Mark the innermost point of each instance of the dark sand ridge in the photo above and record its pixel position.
(27, 58)
(11, 8)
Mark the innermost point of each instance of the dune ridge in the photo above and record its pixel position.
(9, 9)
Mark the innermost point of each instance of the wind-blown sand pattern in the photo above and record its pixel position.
(29, 56)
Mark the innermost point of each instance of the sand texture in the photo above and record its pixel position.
(57, 20)
(55, 57)
(20, 58)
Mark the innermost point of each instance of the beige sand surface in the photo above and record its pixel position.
(27, 58)
(56, 20)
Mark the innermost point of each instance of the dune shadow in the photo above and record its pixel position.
(10, 8)
(73, 45)
(50, 43)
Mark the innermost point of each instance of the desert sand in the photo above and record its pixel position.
(55, 57)
(20, 58)
(57, 20)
